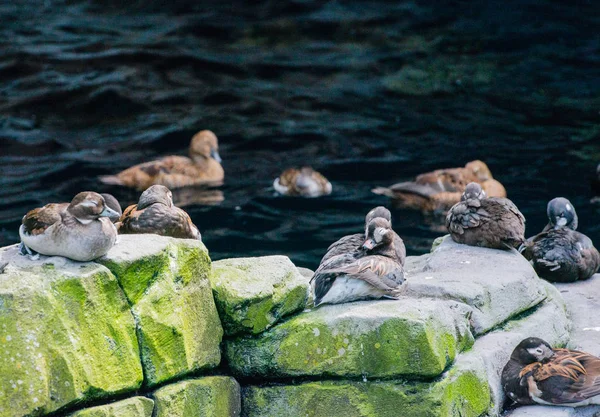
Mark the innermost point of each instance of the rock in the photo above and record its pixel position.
(215, 396)
(131, 407)
(496, 285)
(386, 338)
(166, 282)
(252, 294)
(66, 335)
(549, 411)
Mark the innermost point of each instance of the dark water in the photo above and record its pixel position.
(368, 93)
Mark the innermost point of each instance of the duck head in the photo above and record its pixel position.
(473, 191)
(561, 213)
(113, 203)
(480, 170)
(204, 145)
(532, 350)
(379, 234)
(88, 206)
(377, 212)
(155, 194)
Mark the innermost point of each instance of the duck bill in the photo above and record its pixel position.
(110, 213)
(369, 244)
(215, 155)
(560, 222)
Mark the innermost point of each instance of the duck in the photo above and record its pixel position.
(371, 272)
(81, 231)
(491, 222)
(353, 242)
(202, 167)
(595, 183)
(439, 190)
(114, 204)
(303, 182)
(155, 213)
(538, 374)
(559, 253)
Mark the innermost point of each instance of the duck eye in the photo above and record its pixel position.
(539, 351)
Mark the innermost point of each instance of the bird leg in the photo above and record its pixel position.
(25, 250)
(552, 265)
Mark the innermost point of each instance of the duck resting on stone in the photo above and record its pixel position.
(439, 190)
(353, 242)
(559, 253)
(203, 167)
(80, 230)
(155, 213)
(491, 222)
(303, 182)
(370, 272)
(538, 374)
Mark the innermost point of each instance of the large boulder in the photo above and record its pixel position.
(214, 396)
(495, 284)
(66, 335)
(131, 407)
(388, 338)
(252, 294)
(166, 282)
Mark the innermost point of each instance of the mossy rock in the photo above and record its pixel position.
(215, 396)
(413, 338)
(66, 335)
(166, 282)
(131, 407)
(252, 294)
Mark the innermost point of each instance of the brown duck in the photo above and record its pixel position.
(370, 272)
(441, 189)
(489, 222)
(202, 167)
(155, 213)
(538, 374)
(303, 182)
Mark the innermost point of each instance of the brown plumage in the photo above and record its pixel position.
(155, 213)
(202, 167)
(441, 189)
(304, 182)
(536, 373)
(489, 222)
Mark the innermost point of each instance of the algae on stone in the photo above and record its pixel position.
(166, 281)
(214, 396)
(373, 339)
(131, 407)
(66, 335)
(252, 294)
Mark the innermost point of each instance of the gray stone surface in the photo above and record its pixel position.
(495, 284)
(549, 411)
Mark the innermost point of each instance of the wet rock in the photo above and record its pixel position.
(252, 294)
(66, 335)
(166, 282)
(131, 407)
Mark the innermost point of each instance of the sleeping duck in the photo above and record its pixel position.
(440, 189)
(155, 213)
(559, 253)
(538, 374)
(80, 231)
(491, 222)
(202, 167)
(369, 272)
(353, 242)
(303, 182)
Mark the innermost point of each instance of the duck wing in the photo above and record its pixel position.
(346, 244)
(38, 220)
(465, 215)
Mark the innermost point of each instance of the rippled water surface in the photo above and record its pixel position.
(369, 93)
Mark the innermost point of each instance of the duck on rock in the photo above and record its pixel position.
(538, 374)
(491, 222)
(559, 253)
(303, 182)
(81, 230)
(372, 271)
(203, 167)
(155, 213)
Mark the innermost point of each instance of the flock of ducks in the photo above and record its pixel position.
(365, 265)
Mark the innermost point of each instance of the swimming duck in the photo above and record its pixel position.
(559, 253)
(441, 189)
(155, 213)
(303, 182)
(350, 243)
(538, 374)
(81, 231)
(202, 167)
(491, 222)
(370, 272)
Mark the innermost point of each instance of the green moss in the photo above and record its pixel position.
(131, 407)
